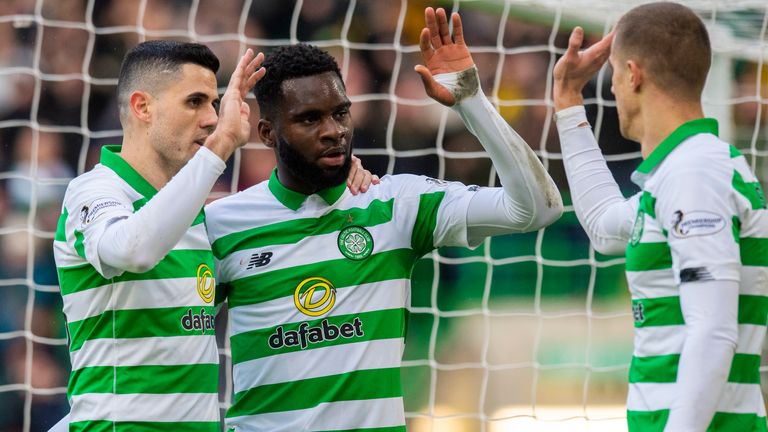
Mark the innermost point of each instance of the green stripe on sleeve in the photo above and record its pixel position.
(177, 264)
(752, 191)
(294, 231)
(138, 323)
(734, 152)
(384, 324)
(648, 204)
(648, 256)
(79, 247)
(135, 426)
(422, 238)
(166, 379)
(754, 251)
(61, 226)
(745, 369)
(389, 265)
(357, 385)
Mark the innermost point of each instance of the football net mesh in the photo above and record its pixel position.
(528, 332)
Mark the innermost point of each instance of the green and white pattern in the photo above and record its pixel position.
(707, 236)
(317, 331)
(142, 346)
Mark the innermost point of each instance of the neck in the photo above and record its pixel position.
(661, 115)
(140, 157)
(293, 183)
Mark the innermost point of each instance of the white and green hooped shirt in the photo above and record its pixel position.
(142, 345)
(679, 237)
(318, 288)
(698, 227)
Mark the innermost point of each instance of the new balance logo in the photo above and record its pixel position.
(259, 260)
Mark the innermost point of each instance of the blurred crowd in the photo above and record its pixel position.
(57, 108)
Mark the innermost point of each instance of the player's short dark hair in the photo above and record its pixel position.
(289, 62)
(151, 65)
(671, 42)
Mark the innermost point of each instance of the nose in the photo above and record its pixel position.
(333, 129)
(209, 118)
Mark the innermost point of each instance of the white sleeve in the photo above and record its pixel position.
(602, 210)
(530, 200)
(137, 242)
(710, 310)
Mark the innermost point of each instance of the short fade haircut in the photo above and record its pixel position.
(289, 62)
(151, 65)
(671, 42)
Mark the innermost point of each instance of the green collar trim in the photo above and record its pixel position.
(293, 200)
(684, 131)
(112, 160)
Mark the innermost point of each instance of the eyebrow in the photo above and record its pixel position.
(202, 95)
(313, 112)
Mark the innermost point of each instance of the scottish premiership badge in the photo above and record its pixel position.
(355, 243)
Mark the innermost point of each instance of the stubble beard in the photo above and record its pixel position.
(309, 173)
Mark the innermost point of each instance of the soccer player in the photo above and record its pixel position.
(317, 279)
(134, 262)
(695, 237)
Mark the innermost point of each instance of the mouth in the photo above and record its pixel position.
(200, 141)
(334, 157)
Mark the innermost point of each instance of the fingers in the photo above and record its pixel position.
(354, 171)
(458, 30)
(575, 41)
(442, 25)
(425, 45)
(434, 32)
(375, 179)
(253, 73)
(426, 78)
(237, 78)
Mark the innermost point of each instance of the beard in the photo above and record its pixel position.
(309, 173)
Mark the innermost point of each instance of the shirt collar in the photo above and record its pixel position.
(683, 132)
(293, 200)
(112, 160)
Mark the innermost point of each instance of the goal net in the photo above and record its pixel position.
(528, 332)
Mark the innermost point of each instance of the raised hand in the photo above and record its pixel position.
(233, 128)
(575, 68)
(441, 53)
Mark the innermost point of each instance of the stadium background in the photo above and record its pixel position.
(528, 332)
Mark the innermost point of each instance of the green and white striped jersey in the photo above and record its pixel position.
(142, 345)
(318, 289)
(701, 216)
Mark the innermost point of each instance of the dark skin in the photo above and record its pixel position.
(313, 118)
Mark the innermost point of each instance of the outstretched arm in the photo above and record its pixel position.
(601, 208)
(529, 198)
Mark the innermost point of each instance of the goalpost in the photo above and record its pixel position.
(528, 332)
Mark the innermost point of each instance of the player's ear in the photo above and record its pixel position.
(635, 75)
(140, 105)
(266, 133)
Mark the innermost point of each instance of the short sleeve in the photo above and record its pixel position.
(91, 205)
(441, 217)
(697, 212)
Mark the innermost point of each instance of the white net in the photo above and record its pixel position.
(526, 333)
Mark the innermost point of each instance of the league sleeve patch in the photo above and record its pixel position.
(91, 212)
(696, 223)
